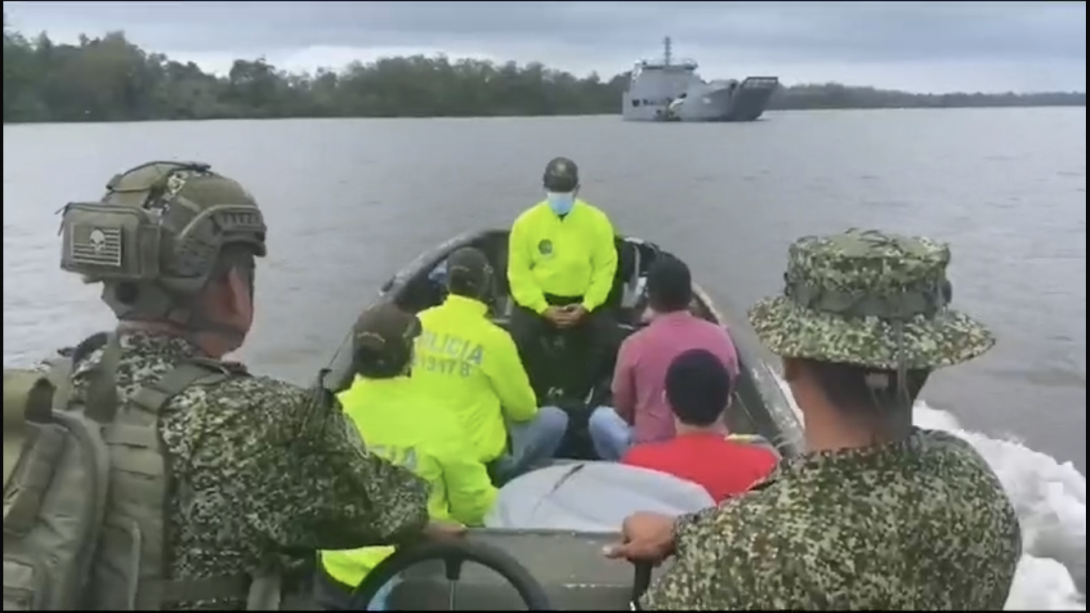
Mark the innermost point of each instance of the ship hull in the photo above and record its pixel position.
(716, 102)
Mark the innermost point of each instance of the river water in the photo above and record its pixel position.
(348, 202)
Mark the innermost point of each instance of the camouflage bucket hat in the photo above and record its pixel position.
(384, 332)
(872, 299)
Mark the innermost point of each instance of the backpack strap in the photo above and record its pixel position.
(60, 375)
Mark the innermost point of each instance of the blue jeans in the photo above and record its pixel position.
(533, 443)
(611, 435)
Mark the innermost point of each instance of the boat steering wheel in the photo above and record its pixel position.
(454, 554)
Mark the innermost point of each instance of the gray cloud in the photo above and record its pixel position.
(1025, 33)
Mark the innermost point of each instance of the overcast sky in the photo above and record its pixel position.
(932, 46)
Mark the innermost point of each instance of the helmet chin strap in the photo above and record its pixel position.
(894, 422)
(185, 313)
(192, 321)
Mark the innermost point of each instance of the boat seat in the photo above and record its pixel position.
(635, 283)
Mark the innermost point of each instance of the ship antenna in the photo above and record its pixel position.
(667, 55)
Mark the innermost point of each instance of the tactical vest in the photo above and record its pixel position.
(85, 494)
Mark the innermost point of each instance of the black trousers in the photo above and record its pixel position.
(580, 368)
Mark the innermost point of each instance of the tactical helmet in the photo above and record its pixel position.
(561, 175)
(154, 238)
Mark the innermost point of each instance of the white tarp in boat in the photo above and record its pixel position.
(591, 497)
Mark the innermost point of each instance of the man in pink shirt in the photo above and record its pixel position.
(640, 412)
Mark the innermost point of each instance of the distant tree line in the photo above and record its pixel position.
(111, 79)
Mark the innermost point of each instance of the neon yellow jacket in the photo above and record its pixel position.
(573, 256)
(396, 422)
(469, 364)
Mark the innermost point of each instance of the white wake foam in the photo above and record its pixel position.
(1051, 501)
(1050, 498)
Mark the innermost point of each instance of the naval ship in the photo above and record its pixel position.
(669, 90)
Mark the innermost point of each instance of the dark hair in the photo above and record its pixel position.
(669, 285)
(460, 286)
(383, 339)
(698, 387)
(384, 365)
(469, 273)
(865, 391)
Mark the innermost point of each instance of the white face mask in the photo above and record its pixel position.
(560, 203)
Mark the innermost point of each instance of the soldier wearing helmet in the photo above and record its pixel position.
(252, 466)
(562, 258)
(878, 515)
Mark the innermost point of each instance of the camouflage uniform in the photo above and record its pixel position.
(258, 467)
(919, 524)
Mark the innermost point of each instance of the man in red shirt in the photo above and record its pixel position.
(698, 388)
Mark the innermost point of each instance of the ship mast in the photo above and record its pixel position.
(667, 54)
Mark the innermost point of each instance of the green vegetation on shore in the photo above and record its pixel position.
(111, 79)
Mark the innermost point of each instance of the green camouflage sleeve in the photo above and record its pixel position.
(806, 542)
(694, 581)
(719, 565)
(298, 469)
